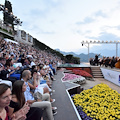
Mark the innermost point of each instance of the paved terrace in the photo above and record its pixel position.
(65, 109)
(63, 103)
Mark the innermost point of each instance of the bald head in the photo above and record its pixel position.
(26, 73)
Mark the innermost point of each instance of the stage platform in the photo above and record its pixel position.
(74, 65)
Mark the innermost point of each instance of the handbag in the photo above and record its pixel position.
(37, 95)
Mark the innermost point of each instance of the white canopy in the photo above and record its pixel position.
(9, 40)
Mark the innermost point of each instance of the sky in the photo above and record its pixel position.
(64, 24)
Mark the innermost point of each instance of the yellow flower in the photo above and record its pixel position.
(100, 102)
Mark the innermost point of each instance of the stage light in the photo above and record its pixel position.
(6, 9)
(82, 41)
(102, 41)
(10, 14)
(106, 41)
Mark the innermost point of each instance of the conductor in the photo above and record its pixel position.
(96, 59)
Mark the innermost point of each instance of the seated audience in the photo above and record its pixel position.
(18, 101)
(14, 58)
(6, 112)
(35, 86)
(45, 105)
(48, 70)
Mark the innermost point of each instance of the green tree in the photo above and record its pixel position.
(71, 59)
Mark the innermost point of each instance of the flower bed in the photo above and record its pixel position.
(69, 76)
(82, 73)
(73, 78)
(98, 103)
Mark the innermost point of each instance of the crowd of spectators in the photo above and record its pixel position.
(105, 61)
(31, 72)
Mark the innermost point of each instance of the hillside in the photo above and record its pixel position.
(83, 57)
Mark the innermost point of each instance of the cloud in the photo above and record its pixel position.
(106, 37)
(86, 21)
(100, 13)
(118, 27)
(46, 32)
(64, 24)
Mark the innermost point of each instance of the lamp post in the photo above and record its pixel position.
(116, 49)
(83, 43)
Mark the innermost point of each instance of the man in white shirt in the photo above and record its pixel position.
(46, 105)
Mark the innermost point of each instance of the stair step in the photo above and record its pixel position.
(95, 68)
(98, 77)
(96, 71)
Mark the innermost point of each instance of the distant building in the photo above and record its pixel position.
(21, 36)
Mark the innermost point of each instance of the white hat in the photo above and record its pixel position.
(29, 56)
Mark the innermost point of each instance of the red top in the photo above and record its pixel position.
(7, 117)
